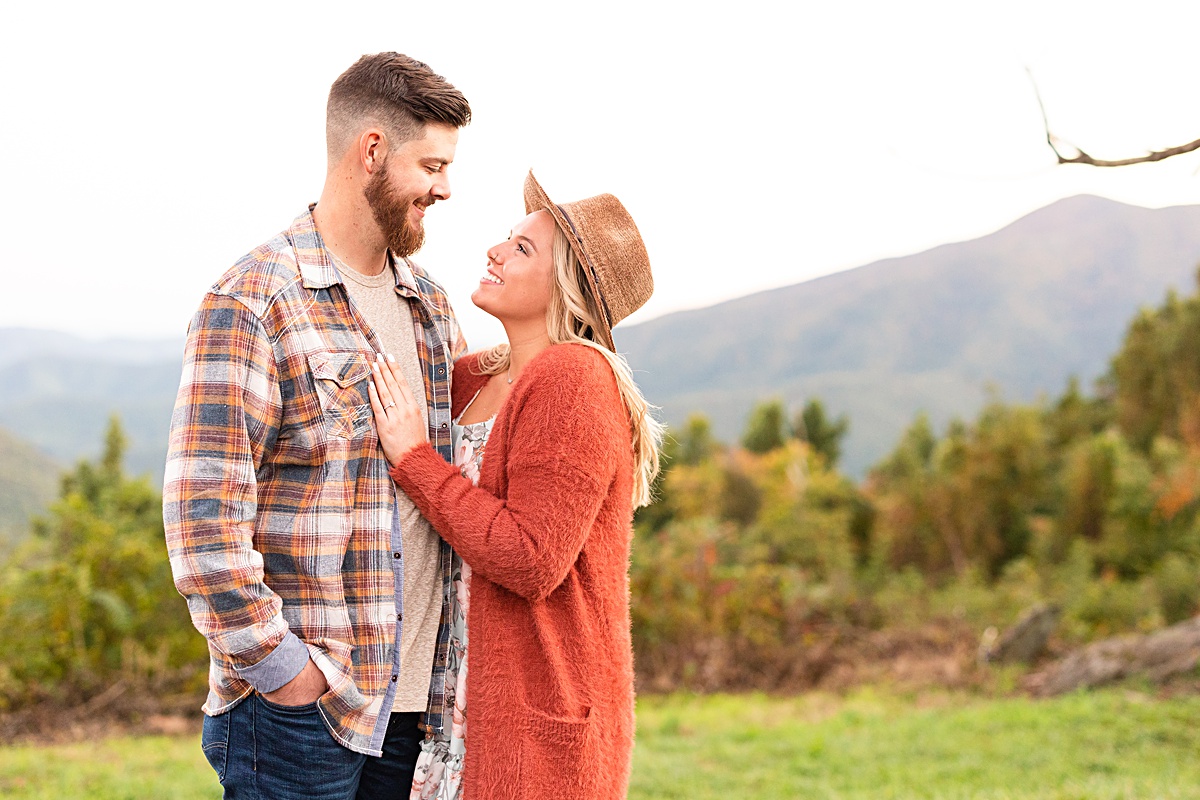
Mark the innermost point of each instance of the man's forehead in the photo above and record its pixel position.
(438, 143)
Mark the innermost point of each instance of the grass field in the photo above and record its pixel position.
(1112, 744)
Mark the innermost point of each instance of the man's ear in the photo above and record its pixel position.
(372, 150)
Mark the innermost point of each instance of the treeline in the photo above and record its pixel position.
(755, 552)
(759, 555)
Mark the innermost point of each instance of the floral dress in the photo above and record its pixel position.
(439, 768)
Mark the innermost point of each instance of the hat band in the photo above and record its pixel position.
(591, 268)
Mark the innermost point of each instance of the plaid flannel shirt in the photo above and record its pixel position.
(280, 514)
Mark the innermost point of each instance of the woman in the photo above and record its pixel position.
(544, 538)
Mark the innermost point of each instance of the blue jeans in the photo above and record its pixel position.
(264, 751)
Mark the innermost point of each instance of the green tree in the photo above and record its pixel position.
(823, 434)
(696, 442)
(1156, 374)
(765, 428)
(740, 498)
(1088, 485)
(1073, 417)
(904, 489)
(88, 602)
(967, 500)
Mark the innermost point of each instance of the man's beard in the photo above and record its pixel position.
(391, 214)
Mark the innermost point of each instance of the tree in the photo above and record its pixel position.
(765, 428)
(824, 435)
(87, 603)
(1156, 374)
(696, 443)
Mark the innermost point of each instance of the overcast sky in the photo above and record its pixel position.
(144, 148)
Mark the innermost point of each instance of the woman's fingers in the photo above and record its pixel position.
(386, 395)
(401, 385)
(376, 403)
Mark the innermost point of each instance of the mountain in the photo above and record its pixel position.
(28, 482)
(58, 391)
(1020, 310)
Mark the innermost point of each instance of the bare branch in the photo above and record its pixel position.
(1157, 155)
(1081, 157)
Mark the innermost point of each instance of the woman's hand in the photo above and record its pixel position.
(397, 416)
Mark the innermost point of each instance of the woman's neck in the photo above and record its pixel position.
(523, 345)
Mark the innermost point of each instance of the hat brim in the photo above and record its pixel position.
(536, 199)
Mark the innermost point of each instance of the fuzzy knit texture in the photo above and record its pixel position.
(547, 534)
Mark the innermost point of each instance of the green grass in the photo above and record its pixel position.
(1112, 744)
(129, 768)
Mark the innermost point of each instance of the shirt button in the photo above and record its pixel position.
(394, 678)
(443, 425)
(395, 555)
(441, 370)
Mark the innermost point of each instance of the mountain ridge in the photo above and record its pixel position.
(1020, 309)
(1023, 308)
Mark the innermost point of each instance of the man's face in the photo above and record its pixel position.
(411, 178)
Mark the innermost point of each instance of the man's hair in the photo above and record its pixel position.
(399, 94)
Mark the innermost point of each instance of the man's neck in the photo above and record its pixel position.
(348, 228)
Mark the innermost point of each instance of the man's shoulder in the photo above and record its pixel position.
(259, 277)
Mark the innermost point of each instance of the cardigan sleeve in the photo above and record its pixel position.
(465, 382)
(563, 447)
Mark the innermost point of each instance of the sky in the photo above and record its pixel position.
(145, 147)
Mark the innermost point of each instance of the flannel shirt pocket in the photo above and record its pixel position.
(341, 383)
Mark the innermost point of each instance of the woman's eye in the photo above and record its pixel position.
(521, 249)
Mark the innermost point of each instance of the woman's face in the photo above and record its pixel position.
(519, 279)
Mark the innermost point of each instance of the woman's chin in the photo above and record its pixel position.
(481, 300)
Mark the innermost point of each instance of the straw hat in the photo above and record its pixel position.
(608, 245)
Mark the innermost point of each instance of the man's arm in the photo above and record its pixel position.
(226, 419)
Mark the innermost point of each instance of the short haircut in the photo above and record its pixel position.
(399, 94)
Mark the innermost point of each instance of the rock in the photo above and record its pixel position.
(1025, 640)
(1156, 657)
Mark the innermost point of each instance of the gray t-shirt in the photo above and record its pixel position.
(392, 321)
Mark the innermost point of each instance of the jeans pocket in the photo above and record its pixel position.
(296, 756)
(215, 742)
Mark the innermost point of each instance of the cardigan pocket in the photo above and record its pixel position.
(560, 755)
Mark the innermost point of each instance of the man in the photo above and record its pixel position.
(319, 587)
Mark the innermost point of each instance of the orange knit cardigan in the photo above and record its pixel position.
(547, 534)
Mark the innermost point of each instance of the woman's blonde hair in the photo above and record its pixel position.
(573, 317)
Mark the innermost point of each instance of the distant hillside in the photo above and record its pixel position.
(1022, 309)
(28, 483)
(58, 392)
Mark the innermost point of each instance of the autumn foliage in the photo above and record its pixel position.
(761, 565)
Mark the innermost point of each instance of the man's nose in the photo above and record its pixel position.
(441, 187)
